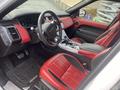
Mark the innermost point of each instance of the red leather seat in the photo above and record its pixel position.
(63, 72)
(108, 38)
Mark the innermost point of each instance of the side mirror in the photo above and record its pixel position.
(82, 13)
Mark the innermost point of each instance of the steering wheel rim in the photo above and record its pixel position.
(41, 32)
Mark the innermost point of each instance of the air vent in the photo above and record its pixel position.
(14, 33)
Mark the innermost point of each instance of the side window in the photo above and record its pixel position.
(103, 11)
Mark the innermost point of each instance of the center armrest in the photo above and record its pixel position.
(92, 47)
(90, 50)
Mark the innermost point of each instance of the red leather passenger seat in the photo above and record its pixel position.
(63, 72)
(108, 38)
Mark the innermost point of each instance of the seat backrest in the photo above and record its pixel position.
(108, 38)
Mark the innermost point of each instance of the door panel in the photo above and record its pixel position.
(81, 22)
(88, 30)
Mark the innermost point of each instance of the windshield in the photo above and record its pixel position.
(37, 6)
(48, 4)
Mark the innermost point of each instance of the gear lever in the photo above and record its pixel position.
(67, 41)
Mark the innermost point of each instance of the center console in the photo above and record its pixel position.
(68, 44)
(87, 49)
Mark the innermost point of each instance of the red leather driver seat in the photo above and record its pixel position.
(63, 72)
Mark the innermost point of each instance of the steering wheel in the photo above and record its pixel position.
(49, 29)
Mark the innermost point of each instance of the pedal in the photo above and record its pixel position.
(22, 54)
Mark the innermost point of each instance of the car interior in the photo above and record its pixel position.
(48, 50)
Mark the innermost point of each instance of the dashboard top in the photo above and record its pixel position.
(16, 14)
(28, 20)
(35, 6)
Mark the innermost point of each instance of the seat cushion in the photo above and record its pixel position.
(63, 72)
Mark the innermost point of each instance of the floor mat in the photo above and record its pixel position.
(24, 74)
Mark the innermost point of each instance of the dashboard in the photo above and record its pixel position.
(29, 20)
(16, 33)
